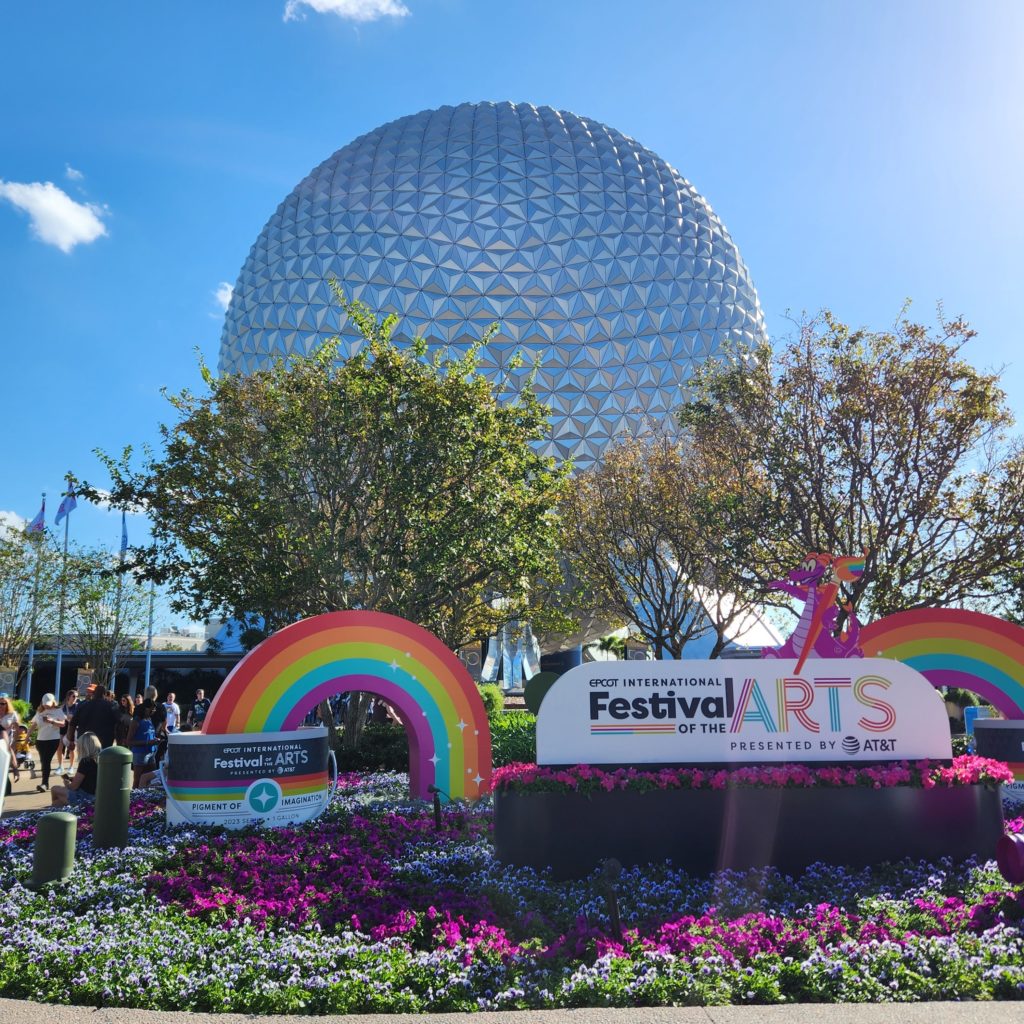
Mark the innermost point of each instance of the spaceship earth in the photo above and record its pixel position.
(598, 260)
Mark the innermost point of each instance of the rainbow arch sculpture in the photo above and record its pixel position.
(952, 647)
(274, 686)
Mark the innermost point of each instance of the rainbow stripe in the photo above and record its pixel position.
(849, 568)
(632, 730)
(235, 789)
(951, 647)
(273, 687)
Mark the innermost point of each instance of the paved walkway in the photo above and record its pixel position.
(24, 796)
(13, 1012)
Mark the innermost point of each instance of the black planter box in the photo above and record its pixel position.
(705, 830)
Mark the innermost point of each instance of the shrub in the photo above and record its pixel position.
(24, 709)
(384, 746)
(494, 701)
(513, 738)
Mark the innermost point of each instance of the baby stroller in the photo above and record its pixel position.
(23, 760)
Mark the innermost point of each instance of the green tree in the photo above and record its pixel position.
(107, 611)
(661, 534)
(612, 645)
(886, 442)
(394, 481)
(19, 558)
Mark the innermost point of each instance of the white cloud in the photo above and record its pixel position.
(72, 174)
(223, 295)
(11, 521)
(56, 218)
(353, 10)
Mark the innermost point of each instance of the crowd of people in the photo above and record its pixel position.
(69, 736)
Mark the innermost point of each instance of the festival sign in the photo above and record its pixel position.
(863, 693)
(693, 712)
(277, 778)
(1004, 741)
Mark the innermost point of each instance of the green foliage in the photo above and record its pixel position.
(22, 563)
(660, 534)
(394, 480)
(385, 747)
(107, 610)
(104, 611)
(514, 738)
(494, 700)
(613, 644)
(536, 687)
(962, 698)
(886, 442)
(23, 708)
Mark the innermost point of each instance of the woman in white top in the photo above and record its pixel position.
(66, 748)
(6, 757)
(47, 720)
(8, 716)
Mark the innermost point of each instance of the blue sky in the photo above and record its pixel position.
(857, 153)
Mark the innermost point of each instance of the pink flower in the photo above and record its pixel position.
(963, 771)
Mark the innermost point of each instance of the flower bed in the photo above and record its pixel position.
(788, 815)
(583, 778)
(370, 910)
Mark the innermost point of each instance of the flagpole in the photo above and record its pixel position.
(35, 610)
(149, 637)
(63, 597)
(117, 607)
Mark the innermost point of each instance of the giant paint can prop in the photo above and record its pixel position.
(235, 780)
(1003, 741)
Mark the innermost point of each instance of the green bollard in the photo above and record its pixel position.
(113, 797)
(53, 855)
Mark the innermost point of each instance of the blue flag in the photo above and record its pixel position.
(124, 534)
(67, 506)
(38, 525)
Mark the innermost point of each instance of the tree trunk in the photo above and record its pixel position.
(354, 720)
(327, 717)
(720, 643)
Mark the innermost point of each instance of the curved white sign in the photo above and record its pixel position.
(725, 711)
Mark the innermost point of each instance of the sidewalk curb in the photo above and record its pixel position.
(13, 1011)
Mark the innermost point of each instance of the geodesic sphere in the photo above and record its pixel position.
(596, 258)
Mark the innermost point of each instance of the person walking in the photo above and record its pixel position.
(96, 715)
(172, 714)
(47, 723)
(6, 759)
(126, 710)
(66, 749)
(143, 742)
(197, 713)
(9, 716)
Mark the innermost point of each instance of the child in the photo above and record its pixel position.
(22, 751)
(142, 741)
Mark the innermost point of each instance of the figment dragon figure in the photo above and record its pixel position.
(814, 634)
